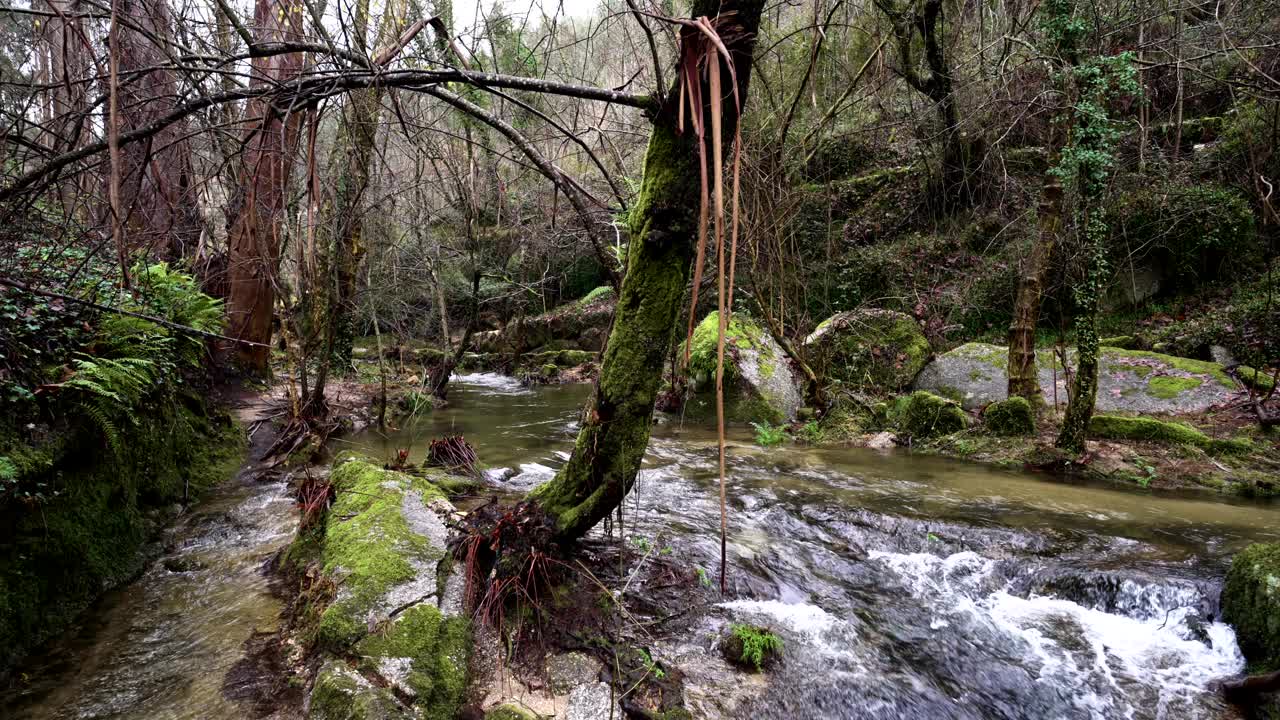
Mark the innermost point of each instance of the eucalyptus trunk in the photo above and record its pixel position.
(664, 230)
(254, 237)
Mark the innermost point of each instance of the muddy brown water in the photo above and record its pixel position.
(903, 586)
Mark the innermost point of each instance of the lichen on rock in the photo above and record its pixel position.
(1128, 380)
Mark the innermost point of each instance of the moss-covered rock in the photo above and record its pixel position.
(340, 693)
(1115, 427)
(1010, 417)
(1251, 603)
(924, 415)
(1128, 380)
(395, 608)
(760, 385)
(877, 349)
(578, 325)
(751, 647)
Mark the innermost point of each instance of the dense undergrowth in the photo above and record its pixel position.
(104, 424)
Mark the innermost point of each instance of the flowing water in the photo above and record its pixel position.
(160, 648)
(904, 586)
(909, 586)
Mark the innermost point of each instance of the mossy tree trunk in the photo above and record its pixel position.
(1084, 385)
(1024, 381)
(664, 229)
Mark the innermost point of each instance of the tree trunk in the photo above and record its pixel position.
(157, 197)
(1084, 385)
(254, 237)
(664, 227)
(1024, 379)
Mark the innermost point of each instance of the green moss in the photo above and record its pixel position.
(60, 552)
(1251, 602)
(878, 349)
(1010, 417)
(740, 333)
(340, 694)
(368, 544)
(1116, 427)
(1256, 379)
(923, 415)
(1168, 388)
(1118, 341)
(437, 648)
(1212, 370)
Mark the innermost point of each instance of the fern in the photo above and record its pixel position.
(109, 390)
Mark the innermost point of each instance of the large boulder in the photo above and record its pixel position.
(1128, 380)
(760, 385)
(393, 604)
(579, 325)
(879, 349)
(1251, 603)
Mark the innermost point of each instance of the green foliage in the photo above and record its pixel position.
(600, 293)
(811, 433)
(1198, 233)
(1244, 319)
(752, 646)
(768, 435)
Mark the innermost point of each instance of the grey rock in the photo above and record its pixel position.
(1128, 380)
(567, 671)
(591, 702)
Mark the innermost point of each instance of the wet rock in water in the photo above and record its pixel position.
(760, 385)
(751, 647)
(182, 564)
(880, 349)
(395, 607)
(594, 701)
(1251, 602)
(923, 415)
(1128, 380)
(1009, 417)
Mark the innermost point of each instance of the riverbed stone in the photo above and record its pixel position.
(1251, 603)
(1010, 417)
(566, 671)
(871, 348)
(760, 385)
(394, 607)
(1128, 380)
(580, 325)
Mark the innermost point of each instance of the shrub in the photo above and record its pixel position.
(768, 435)
(1195, 233)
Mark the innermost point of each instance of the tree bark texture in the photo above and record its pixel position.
(270, 142)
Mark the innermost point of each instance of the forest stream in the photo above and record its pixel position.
(904, 586)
